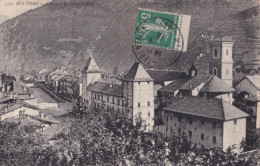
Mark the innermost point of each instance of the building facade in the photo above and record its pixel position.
(221, 61)
(205, 121)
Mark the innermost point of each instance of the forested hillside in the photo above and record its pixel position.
(66, 32)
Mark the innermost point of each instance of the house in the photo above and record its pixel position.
(205, 121)
(90, 74)
(26, 98)
(134, 96)
(206, 85)
(53, 77)
(248, 97)
(106, 96)
(15, 110)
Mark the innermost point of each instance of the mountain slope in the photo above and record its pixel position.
(66, 32)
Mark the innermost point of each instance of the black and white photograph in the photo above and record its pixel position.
(129, 83)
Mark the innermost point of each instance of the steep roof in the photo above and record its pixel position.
(137, 73)
(196, 81)
(206, 107)
(216, 84)
(91, 66)
(107, 88)
(255, 80)
(174, 85)
(160, 76)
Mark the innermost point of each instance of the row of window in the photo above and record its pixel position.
(100, 97)
(148, 104)
(216, 52)
(215, 71)
(214, 124)
(202, 136)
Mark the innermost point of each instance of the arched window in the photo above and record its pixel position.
(215, 71)
(215, 52)
(227, 72)
(227, 52)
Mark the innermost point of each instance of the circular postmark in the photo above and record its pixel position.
(158, 39)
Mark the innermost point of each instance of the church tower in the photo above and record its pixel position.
(90, 74)
(138, 94)
(221, 60)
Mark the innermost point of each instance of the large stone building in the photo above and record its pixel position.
(248, 98)
(134, 96)
(188, 102)
(206, 121)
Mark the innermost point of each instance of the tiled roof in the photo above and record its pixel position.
(14, 106)
(90, 66)
(107, 88)
(137, 73)
(174, 85)
(161, 76)
(206, 107)
(196, 81)
(5, 99)
(9, 79)
(255, 80)
(215, 84)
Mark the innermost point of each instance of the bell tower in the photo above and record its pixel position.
(221, 60)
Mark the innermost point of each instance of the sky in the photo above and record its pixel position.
(12, 8)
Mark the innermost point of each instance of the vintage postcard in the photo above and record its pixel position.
(120, 82)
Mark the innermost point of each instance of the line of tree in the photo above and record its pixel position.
(99, 137)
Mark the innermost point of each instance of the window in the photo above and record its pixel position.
(227, 73)
(227, 52)
(179, 118)
(148, 103)
(139, 104)
(179, 130)
(202, 122)
(167, 118)
(214, 125)
(148, 82)
(113, 100)
(215, 72)
(190, 121)
(95, 96)
(214, 139)
(190, 133)
(138, 82)
(118, 101)
(235, 122)
(215, 52)
(202, 136)
(149, 114)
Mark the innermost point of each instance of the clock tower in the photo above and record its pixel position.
(221, 60)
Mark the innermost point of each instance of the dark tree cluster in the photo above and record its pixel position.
(98, 137)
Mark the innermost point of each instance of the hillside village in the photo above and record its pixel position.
(208, 108)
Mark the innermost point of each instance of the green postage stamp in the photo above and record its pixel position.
(162, 29)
